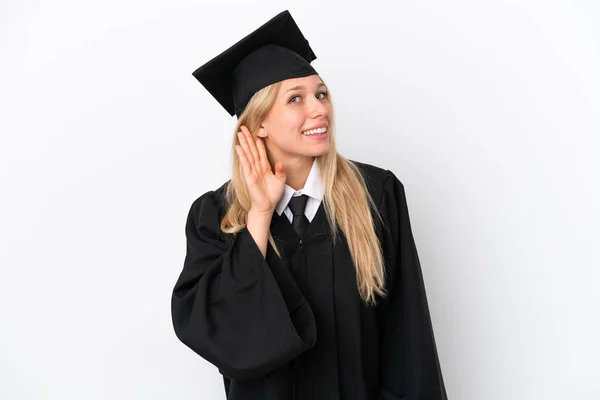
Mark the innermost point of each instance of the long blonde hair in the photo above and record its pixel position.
(347, 201)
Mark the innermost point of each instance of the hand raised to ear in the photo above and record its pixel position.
(265, 187)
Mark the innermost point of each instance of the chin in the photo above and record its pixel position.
(320, 152)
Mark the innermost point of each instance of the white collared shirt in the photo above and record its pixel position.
(313, 188)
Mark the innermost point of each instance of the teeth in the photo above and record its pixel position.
(313, 131)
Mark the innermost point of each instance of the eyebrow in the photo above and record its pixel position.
(303, 87)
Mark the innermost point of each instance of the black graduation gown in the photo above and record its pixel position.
(294, 328)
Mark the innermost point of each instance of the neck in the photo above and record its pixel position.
(297, 170)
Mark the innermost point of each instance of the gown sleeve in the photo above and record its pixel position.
(410, 368)
(240, 311)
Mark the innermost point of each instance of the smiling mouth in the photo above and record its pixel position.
(318, 131)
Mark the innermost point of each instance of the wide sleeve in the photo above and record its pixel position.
(410, 368)
(240, 311)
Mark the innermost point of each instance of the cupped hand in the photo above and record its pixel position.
(265, 187)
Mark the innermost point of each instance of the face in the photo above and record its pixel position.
(302, 104)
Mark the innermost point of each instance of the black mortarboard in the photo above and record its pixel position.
(274, 52)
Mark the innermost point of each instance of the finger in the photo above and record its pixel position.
(262, 153)
(244, 160)
(280, 171)
(251, 144)
(246, 147)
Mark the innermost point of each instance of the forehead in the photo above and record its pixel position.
(308, 82)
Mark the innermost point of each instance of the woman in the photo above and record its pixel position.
(301, 278)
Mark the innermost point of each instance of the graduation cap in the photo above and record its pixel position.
(274, 52)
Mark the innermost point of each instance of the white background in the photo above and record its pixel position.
(487, 111)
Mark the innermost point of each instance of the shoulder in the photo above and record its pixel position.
(371, 172)
(211, 202)
(379, 180)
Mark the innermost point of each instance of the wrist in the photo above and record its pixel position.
(261, 214)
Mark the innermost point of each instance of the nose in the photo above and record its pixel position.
(317, 108)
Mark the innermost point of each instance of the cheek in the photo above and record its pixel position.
(292, 122)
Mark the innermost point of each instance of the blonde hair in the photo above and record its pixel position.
(347, 201)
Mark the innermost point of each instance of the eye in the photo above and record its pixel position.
(324, 96)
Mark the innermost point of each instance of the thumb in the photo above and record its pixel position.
(279, 171)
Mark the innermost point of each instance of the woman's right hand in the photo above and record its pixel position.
(265, 187)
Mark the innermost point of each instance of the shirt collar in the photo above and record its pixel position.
(312, 188)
